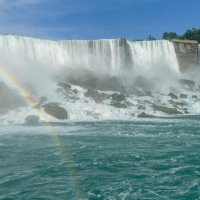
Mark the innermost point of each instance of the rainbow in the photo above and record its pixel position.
(23, 91)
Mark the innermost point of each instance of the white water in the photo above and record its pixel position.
(109, 56)
(42, 63)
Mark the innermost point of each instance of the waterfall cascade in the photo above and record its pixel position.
(107, 56)
(108, 66)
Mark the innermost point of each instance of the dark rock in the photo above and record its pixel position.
(194, 96)
(119, 105)
(144, 115)
(177, 103)
(97, 96)
(32, 120)
(42, 100)
(141, 107)
(56, 111)
(118, 97)
(187, 83)
(173, 96)
(166, 110)
(75, 91)
(183, 96)
(65, 86)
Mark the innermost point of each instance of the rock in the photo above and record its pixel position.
(42, 100)
(194, 96)
(173, 96)
(9, 99)
(141, 107)
(119, 105)
(189, 84)
(65, 86)
(32, 120)
(144, 115)
(166, 110)
(56, 111)
(118, 97)
(177, 103)
(97, 96)
(183, 96)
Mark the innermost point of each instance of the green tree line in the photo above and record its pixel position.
(190, 34)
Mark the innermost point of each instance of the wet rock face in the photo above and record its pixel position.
(32, 120)
(118, 97)
(194, 96)
(96, 96)
(9, 100)
(173, 96)
(56, 111)
(164, 109)
(144, 115)
(119, 105)
(183, 96)
(188, 84)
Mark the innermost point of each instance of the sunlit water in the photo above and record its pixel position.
(151, 159)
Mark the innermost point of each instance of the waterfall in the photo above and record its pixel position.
(107, 56)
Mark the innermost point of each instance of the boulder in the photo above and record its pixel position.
(177, 103)
(141, 107)
(183, 96)
(118, 97)
(32, 120)
(56, 111)
(194, 96)
(189, 84)
(173, 96)
(65, 86)
(144, 115)
(42, 100)
(97, 96)
(119, 105)
(166, 109)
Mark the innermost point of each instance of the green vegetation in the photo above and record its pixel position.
(150, 37)
(170, 36)
(190, 34)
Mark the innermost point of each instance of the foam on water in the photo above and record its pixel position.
(43, 63)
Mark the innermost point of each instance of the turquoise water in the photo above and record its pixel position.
(152, 159)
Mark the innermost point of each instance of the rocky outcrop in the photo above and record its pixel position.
(56, 111)
(98, 97)
(187, 54)
(183, 96)
(118, 97)
(32, 120)
(164, 109)
(173, 96)
(144, 115)
(187, 84)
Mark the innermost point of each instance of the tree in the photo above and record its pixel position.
(150, 37)
(192, 34)
(170, 36)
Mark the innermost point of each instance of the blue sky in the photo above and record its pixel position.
(93, 19)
